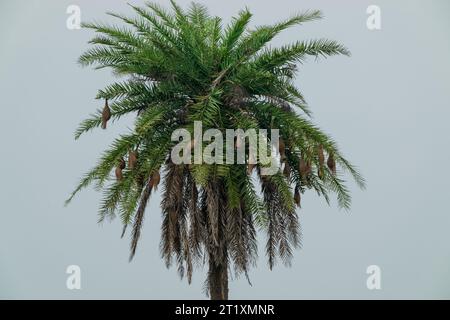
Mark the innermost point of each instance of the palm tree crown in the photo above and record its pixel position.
(181, 66)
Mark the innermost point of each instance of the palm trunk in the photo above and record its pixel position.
(217, 243)
(218, 281)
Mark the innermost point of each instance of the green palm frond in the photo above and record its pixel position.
(178, 66)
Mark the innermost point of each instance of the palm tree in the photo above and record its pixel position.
(180, 66)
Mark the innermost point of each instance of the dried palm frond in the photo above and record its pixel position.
(139, 218)
(287, 170)
(297, 197)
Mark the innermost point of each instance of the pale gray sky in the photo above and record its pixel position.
(387, 106)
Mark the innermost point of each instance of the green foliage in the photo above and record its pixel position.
(182, 66)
